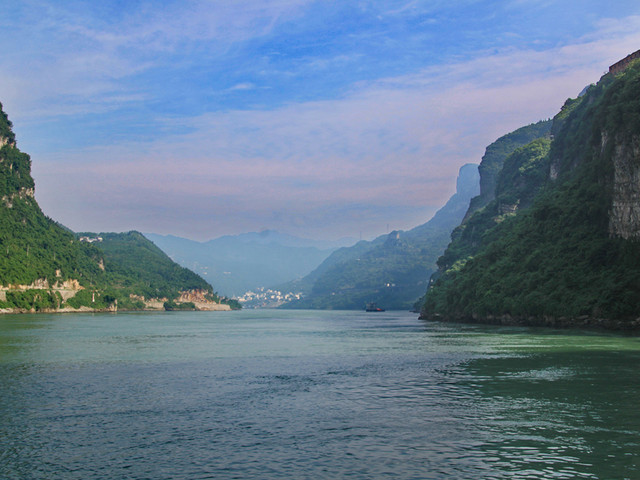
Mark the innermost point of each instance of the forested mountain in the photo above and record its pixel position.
(392, 270)
(132, 261)
(44, 266)
(559, 244)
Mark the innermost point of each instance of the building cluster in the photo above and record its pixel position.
(266, 298)
(90, 239)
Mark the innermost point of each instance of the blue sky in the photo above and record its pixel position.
(316, 118)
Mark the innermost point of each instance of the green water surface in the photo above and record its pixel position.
(270, 394)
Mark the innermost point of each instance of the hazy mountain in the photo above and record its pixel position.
(267, 237)
(238, 263)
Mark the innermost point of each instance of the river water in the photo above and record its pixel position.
(267, 394)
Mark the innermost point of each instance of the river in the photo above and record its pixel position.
(265, 394)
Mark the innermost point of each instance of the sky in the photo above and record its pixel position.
(322, 119)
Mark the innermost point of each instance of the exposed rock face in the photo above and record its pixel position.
(66, 289)
(624, 217)
(22, 194)
(507, 208)
(43, 284)
(200, 300)
(6, 141)
(193, 296)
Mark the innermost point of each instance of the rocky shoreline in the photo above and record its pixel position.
(200, 307)
(69, 288)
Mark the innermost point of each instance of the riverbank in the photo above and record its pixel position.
(151, 307)
(582, 322)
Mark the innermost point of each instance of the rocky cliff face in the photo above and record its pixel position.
(23, 193)
(624, 218)
(202, 300)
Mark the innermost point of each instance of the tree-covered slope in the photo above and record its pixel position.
(394, 269)
(495, 155)
(573, 256)
(523, 175)
(44, 266)
(131, 262)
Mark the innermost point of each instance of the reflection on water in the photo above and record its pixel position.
(267, 394)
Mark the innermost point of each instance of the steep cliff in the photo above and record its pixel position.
(559, 243)
(495, 155)
(393, 270)
(33, 247)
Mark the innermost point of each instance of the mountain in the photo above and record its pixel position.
(392, 270)
(559, 243)
(239, 263)
(46, 267)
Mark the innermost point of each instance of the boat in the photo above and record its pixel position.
(372, 307)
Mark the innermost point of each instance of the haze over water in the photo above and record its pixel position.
(270, 394)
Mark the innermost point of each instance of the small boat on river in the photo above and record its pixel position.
(372, 307)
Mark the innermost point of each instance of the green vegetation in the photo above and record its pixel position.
(523, 175)
(38, 300)
(170, 305)
(496, 154)
(32, 246)
(554, 262)
(232, 302)
(134, 264)
(40, 255)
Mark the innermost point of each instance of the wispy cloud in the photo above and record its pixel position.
(325, 118)
(390, 148)
(72, 57)
(243, 86)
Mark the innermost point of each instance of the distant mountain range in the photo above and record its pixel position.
(268, 237)
(235, 264)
